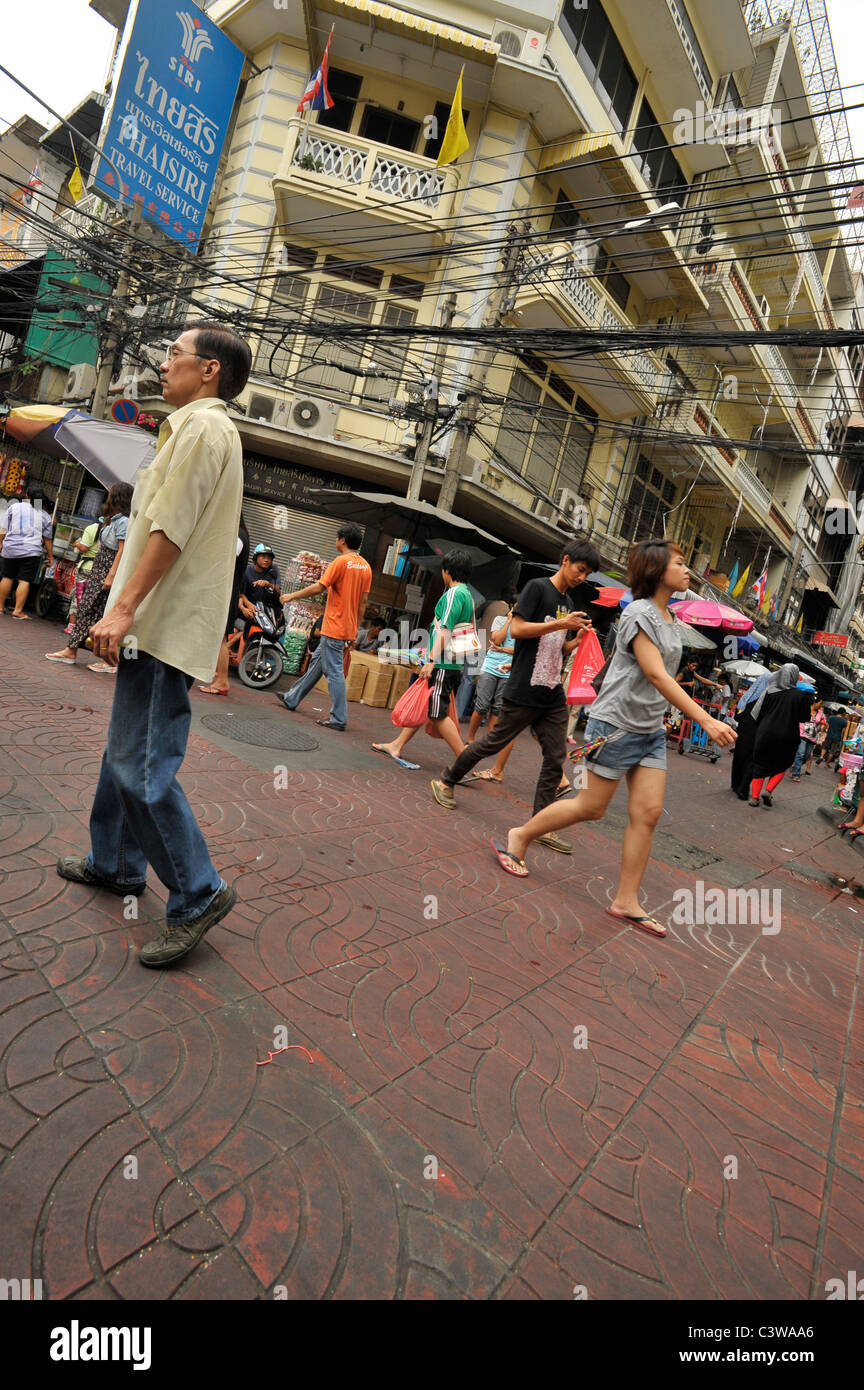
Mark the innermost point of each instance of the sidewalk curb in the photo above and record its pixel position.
(830, 813)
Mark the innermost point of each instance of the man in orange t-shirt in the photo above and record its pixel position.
(346, 581)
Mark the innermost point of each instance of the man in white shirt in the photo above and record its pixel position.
(168, 608)
(25, 527)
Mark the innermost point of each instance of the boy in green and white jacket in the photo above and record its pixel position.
(444, 667)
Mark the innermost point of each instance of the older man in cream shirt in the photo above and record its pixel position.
(162, 628)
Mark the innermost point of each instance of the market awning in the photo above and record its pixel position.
(401, 516)
(818, 587)
(394, 21)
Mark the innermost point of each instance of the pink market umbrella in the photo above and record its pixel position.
(707, 613)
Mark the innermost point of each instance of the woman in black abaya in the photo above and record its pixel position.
(777, 715)
(742, 757)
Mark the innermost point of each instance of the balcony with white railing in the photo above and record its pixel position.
(556, 290)
(753, 488)
(731, 296)
(90, 217)
(375, 186)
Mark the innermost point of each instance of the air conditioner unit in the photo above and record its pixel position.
(571, 507)
(261, 408)
(80, 382)
(764, 307)
(309, 415)
(545, 511)
(521, 45)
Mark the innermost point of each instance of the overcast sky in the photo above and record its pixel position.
(61, 49)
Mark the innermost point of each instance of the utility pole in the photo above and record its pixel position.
(430, 406)
(116, 318)
(480, 369)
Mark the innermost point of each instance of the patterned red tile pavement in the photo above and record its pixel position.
(144, 1154)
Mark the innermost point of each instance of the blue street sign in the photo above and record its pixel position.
(172, 103)
(124, 411)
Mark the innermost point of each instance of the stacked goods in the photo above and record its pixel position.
(301, 618)
(13, 474)
(310, 568)
(293, 645)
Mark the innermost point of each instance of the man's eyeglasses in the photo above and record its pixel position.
(175, 352)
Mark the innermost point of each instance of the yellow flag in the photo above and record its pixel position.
(739, 587)
(766, 602)
(76, 184)
(455, 140)
(800, 627)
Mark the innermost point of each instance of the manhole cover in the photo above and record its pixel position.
(266, 733)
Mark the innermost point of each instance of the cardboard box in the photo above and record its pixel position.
(356, 682)
(376, 691)
(368, 681)
(400, 683)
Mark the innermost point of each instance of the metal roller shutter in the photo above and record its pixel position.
(304, 531)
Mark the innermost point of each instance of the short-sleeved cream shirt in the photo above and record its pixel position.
(193, 492)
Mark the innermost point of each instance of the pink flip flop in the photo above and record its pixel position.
(509, 863)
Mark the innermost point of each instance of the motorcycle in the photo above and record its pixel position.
(56, 587)
(260, 666)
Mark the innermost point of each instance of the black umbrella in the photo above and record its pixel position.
(399, 516)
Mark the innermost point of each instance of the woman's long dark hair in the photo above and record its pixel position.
(117, 503)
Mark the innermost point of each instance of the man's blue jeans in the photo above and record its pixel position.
(140, 813)
(326, 661)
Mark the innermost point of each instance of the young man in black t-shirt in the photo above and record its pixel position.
(546, 629)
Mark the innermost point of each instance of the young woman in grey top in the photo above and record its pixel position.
(636, 689)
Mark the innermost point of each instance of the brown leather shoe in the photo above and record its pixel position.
(73, 867)
(174, 942)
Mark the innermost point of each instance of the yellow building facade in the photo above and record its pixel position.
(581, 119)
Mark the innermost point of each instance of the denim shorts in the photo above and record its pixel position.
(631, 750)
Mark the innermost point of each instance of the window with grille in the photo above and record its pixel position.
(335, 306)
(539, 436)
(647, 506)
(393, 360)
(277, 343)
(517, 420)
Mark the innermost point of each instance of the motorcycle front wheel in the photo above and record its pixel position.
(260, 667)
(47, 598)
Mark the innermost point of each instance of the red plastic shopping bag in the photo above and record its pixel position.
(586, 665)
(412, 708)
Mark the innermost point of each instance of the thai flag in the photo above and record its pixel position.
(758, 589)
(34, 184)
(316, 96)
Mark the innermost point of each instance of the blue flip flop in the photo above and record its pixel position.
(403, 762)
